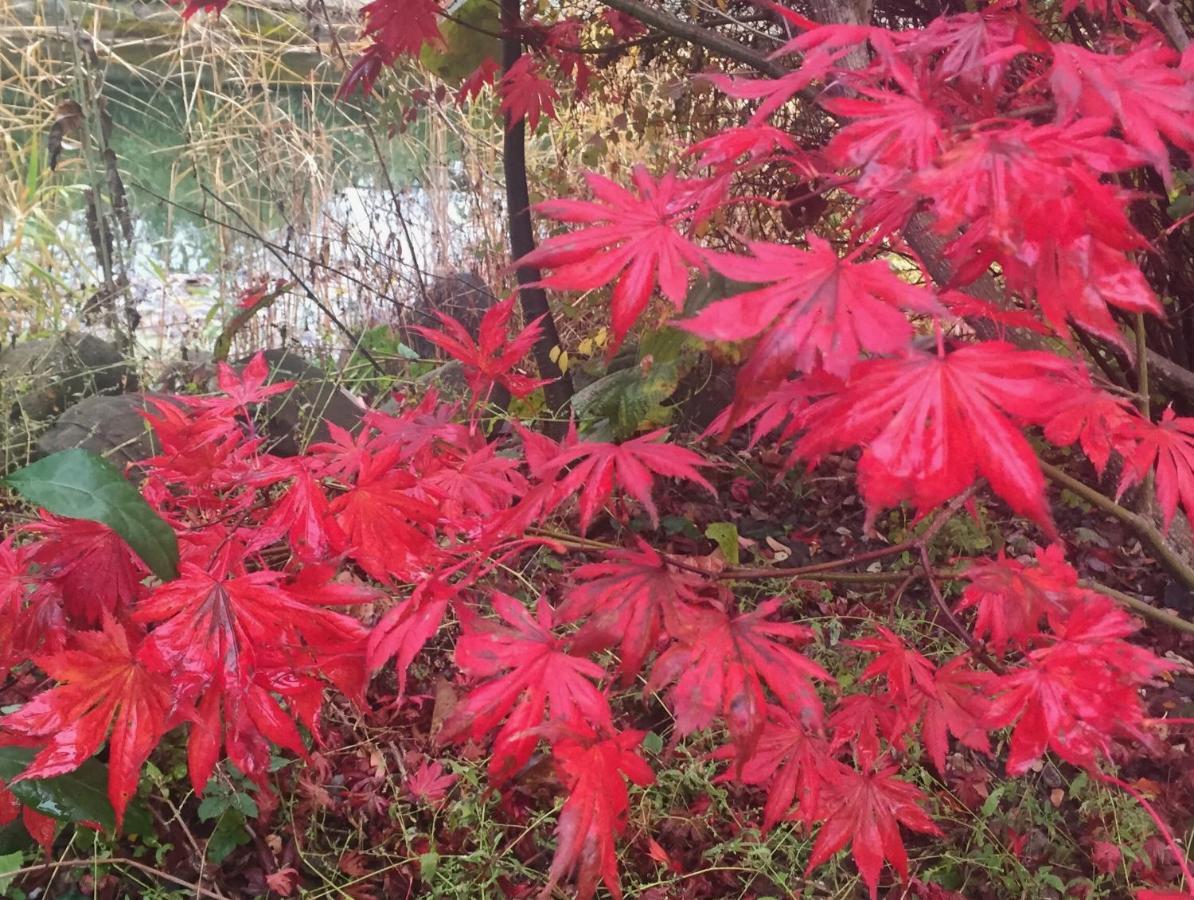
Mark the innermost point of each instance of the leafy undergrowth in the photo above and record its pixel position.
(648, 701)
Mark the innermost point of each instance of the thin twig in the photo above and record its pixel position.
(1159, 616)
(199, 890)
(954, 623)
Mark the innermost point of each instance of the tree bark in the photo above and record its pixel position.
(522, 234)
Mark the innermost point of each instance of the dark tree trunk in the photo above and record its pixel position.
(522, 235)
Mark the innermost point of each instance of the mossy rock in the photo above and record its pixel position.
(111, 426)
(39, 379)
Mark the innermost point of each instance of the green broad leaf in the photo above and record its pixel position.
(9, 863)
(229, 833)
(468, 37)
(81, 485)
(725, 534)
(78, 796)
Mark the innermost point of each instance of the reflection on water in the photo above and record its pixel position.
(231, 185)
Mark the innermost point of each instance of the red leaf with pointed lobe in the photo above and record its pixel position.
(885, 127)
(406, 627)
(382, 521)
(526, 94)
(791, 763)
(906, 670)
(624, 601)
(1145, 90)
(1012, 598)
(932, 424)
(1166, 448)
(490, 359)
(863, 722)
(90, 564)
(819, 311)
(103, 692)
(719, 663)
(637, 239)
(956, 706)
(865, 811)
(521, 661)
(1093, 418)
(247, 388)
(1079, 694)
(471, 87)
(595, 771)
(428, 783)
(597, 466)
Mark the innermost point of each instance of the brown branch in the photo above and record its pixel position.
(198, 890)
(1144, 529)
(522, 235)
(1159, 616)
(955, 624)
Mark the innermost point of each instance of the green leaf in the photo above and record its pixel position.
(81, 485)
(9, 862)
(229, 833)
(726, 536)
(213, 806)
(78, 796)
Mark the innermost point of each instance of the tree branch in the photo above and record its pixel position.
(1144, 529)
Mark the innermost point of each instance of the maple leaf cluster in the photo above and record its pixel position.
(301, 574)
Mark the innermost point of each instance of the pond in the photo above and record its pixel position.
(239, 164)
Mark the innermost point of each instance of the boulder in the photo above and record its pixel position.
(39, 379)
(462, 295)
(292, 420)
(110, 426)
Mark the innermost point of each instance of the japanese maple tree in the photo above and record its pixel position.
(953, 326)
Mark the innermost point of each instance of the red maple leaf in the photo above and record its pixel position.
(1012, 597)
(866, 811)
(103, 692)
(474, 83)
(719, 664)
(907, 671)
(247, 388)
(755, 142)
(931, 424)
(791, 763)
(1145, 89)
(303, 515)
(818, 311)
(406, 627)
(382, 519)
(1075, 696)
(491, 358)
(636, 239)
(526, 94)
(975, 47)
(234, 640)
(956, 706)
(863, 721)
(1093, 418)
(90, 564)
(595, 771)
(597, 465)
(1169, 447)
(529, 675)
(471, 487)
(624, 600)
(428, 783)
(892, 129)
